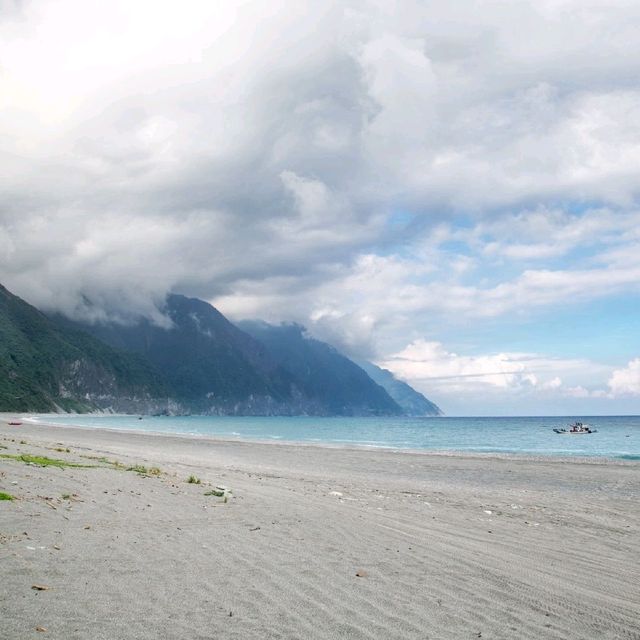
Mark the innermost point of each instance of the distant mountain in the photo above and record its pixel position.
(45, 366)
(413, 403)
(198, 363)
(213, 367)
(210, 365)
(333, 381)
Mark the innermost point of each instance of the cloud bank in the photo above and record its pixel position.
(375, 170)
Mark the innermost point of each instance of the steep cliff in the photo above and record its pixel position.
(45, 366)
(325, 375)
(413, 403)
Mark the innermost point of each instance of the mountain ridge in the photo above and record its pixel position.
(45, 366)
(413, 402)
(322, 370)
(215, 367)
(198, 363)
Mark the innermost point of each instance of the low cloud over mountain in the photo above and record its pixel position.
(379, 174)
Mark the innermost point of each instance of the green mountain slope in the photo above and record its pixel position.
(209, 364)
(215, 367)
(330, 379)
(199, 363)
(45, 366)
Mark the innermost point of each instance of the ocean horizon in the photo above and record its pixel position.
(616, 437)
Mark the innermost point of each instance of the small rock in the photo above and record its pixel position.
(361, 573)
(39, 587)
(39, 628)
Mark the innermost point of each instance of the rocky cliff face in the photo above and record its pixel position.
(324, 375)
(413, 403)
(45, 366)
(214, 367)
(209, 365)
(199, 363)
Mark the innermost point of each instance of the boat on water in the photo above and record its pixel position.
(576, 429)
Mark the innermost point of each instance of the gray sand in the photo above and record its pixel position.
(446, 546)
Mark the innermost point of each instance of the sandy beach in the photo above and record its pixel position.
(309, 541)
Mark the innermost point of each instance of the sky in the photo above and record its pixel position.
(449, 189)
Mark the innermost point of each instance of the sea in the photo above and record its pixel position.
(616, 437)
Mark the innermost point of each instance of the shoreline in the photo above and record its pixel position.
(449, 453)
(308, 541)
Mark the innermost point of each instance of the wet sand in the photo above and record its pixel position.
(312, 542)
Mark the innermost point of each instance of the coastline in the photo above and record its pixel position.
(313, 541)
(504, 455)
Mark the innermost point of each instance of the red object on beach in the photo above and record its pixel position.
(15, 424)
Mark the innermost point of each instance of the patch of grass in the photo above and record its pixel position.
(114, 463)
(65, 496)
(139, 468)
(193, 480)
(6, 496)
(215, 492)
(144, 471)
(43, 461)
(61, 450)
(97, 458)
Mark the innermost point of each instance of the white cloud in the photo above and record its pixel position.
(319, 123)
(554, 383)
(626, 382)
(377, 301)
(545, 233)
(461, 380)
(423, 361)
(578, 392)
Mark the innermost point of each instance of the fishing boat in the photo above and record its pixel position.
(576, 429)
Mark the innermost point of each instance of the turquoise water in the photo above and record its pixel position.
(617, 437)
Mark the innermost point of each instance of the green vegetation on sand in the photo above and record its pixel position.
(215, 492)
(43, 461)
